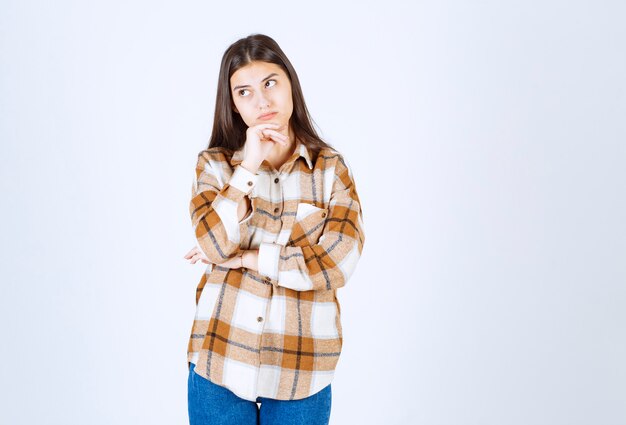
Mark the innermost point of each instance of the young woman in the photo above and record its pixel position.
(278, 220)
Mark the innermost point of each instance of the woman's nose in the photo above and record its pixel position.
(264, 101)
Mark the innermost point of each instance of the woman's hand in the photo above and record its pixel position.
(196, 254)
(260, 140)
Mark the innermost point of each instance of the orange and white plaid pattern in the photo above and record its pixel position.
(275, 333)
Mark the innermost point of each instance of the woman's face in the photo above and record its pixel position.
(259, 88)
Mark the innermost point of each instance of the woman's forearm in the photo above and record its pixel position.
(250, 259)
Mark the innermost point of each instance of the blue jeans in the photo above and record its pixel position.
(212, 404)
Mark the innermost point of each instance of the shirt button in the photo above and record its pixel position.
(249, 183)
(323, 214)
(259, 319)
(276, 209)
(276, 180)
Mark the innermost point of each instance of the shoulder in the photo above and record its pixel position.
(333, 158)
(214, 155)
(327, 153)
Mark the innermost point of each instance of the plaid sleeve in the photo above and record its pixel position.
(214, 203)
(329, 263)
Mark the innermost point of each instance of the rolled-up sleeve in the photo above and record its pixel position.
(329, 263)
(213, 207)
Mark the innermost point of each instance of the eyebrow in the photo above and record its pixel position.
(273, 74)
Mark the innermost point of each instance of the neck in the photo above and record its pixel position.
(279, 153)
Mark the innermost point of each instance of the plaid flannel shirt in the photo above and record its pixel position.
(275, 332)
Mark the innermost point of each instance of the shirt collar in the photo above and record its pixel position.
(301, 151)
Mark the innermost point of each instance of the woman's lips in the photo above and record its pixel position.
(268, 116)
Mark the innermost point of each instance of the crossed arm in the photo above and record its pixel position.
(218, 211)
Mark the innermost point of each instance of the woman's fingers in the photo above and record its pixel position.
(195, 254)
(190, 253)
(275, 135)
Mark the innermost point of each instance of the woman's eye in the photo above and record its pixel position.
(243, 90)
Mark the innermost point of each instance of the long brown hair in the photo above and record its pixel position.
(229, 129)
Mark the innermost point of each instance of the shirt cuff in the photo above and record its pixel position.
(243, 179)
(269, 254)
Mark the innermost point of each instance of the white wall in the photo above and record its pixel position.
(488, 145)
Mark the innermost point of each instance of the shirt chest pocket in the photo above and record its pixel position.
(308, 225)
